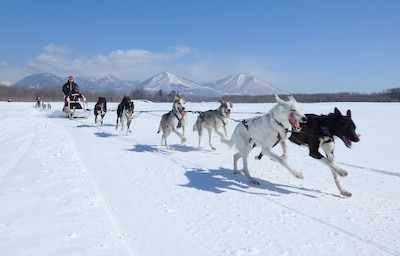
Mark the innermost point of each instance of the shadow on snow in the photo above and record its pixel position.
(222, 179)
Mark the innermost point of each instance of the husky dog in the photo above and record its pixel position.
(265, 131)
(125, 113)
(172, 120)
(319, 131)
(100, 110)
(212, 120)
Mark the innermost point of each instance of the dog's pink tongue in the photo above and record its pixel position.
(182, 113)
(293, 121)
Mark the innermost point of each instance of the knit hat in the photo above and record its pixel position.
(71, 77)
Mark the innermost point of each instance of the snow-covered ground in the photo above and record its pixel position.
(70, 187)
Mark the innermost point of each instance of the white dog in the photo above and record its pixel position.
(212, 120)
(265, 131)
(172, 120)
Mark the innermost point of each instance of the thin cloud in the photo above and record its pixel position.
(56, 49)
(127, 64)
(3, 63)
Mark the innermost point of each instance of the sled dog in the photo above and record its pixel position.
(172, 120)
(265, 131)
(100, 110)
(319, 131)
(125, 113)
(213, 120)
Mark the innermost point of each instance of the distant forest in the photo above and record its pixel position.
(54, 94)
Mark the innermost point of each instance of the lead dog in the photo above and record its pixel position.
(319, 131)
(100, 110)
(264, 131)
(125, 113)
(176, 118)
(212, 120)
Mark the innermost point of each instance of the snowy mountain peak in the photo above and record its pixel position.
(236, 84)
(168, 82)
(40, 80)
(243, 83)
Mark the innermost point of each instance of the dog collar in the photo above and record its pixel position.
(280, 124)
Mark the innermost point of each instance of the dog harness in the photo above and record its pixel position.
(218, 116)
(179, 119)
(280, 124)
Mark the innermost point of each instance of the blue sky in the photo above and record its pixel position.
(298, 46)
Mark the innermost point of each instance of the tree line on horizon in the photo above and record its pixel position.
(54, 94)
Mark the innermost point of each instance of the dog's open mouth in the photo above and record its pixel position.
(227, 113)
(182, 112)
(293, 121)
(347, 141)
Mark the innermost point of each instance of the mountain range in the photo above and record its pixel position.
(236, 84)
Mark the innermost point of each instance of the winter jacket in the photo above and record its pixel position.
(68, 88)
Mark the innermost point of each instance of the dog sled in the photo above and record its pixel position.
(76, 106)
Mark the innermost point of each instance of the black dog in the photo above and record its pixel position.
(319, 131)
(125, 113)
(100, 110)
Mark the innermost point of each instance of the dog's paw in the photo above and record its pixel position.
(345, 193)
(342, 172)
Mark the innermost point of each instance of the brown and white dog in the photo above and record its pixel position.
(174, 119)
(213, 120)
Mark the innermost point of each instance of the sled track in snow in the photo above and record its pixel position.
(341, 230)
(24, 144)
(187, 165)
(372, 169)
(190, 165)
(104, 201)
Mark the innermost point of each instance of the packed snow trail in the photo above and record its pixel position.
(70, 187)
(126, 200)
(48, 189)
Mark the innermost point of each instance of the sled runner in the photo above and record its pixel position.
(76, 106)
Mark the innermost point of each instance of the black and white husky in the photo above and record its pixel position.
(265, 131)
(100, 110)
(319, 131)
(125, 113)
(176, 118)
(212, 120)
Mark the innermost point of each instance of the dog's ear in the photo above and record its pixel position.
(280, 101)
(221, 101)
(349, 113)
(291, 98)
(337, 112)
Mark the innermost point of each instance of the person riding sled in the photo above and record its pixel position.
(71, 91)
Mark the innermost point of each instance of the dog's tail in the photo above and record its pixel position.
(159, 128)
(229, 142)
(196, 126)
